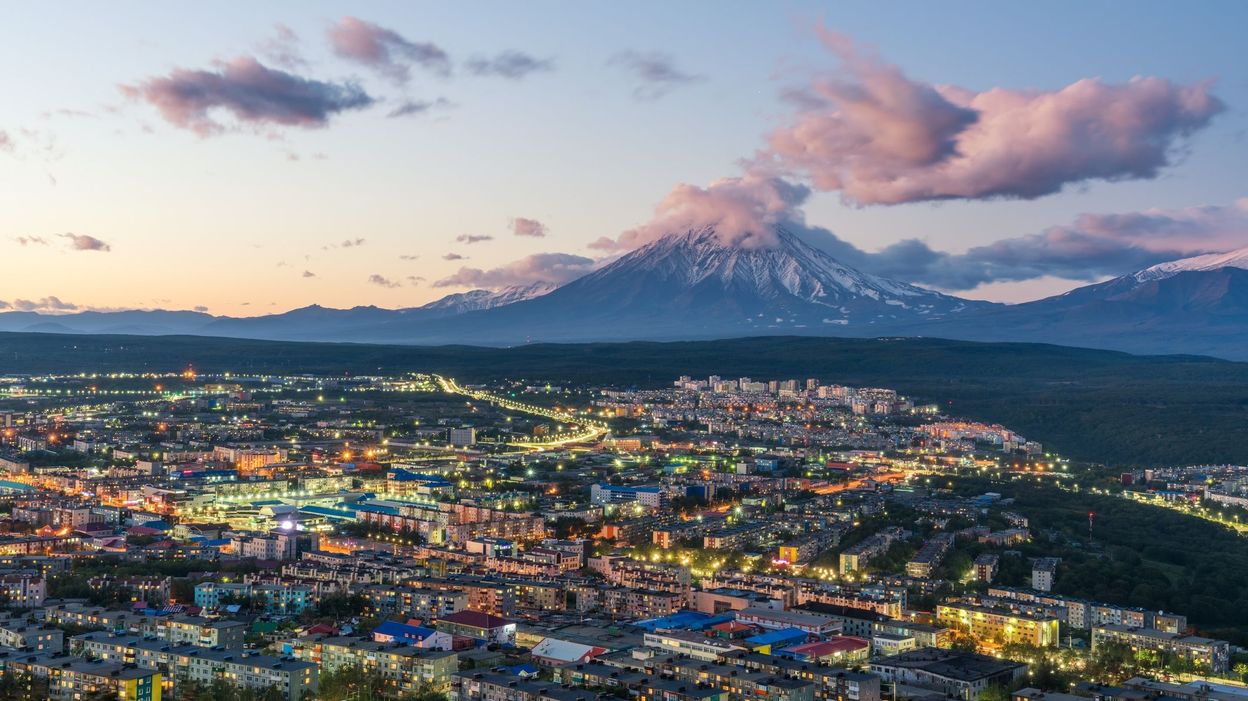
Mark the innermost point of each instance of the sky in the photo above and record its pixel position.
(247, 159)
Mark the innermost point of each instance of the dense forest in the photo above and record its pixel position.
(1134, 554)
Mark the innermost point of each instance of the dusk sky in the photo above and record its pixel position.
(251, 158)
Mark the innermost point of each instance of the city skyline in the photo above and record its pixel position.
(389, 154)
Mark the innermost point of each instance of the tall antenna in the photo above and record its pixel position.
(1091, 517)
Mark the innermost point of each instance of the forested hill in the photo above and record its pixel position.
(1103, 406)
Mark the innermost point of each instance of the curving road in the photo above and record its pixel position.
(583, 430)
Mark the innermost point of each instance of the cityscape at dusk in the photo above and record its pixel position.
(631, 351)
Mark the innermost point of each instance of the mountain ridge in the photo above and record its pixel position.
(692, 286)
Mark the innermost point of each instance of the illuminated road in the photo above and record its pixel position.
(582, 430)
(890, 477)
(1196, 510)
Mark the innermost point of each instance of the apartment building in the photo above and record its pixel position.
(201, 632)
(414, 602)
(930, 555)
(21, 634)
(999, 626)
(291, 677)
(831, 683)
(624, 602)
(74, 677)
(1043, 573)
(23, 590)
(737, 682)
(986, 566)
(489, 686)
(858, 555)
(154, 590)
(405, 668)
(1214, 655)
(276, 598)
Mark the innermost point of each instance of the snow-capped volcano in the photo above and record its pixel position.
(1211, 261)
(694, 285)
(790, 282)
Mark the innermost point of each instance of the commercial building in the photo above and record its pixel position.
(813, 623)
(608, 494)
(961, 675)
(479, 625)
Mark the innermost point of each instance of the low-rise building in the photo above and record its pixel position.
(961, 675)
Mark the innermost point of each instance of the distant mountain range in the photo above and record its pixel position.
(1195, 305)
(693, 286)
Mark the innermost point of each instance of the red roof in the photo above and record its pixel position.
(831, 646)
(732, 627)
(475, 619)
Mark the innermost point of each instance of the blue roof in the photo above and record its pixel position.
(402, 475)
(772, 637)
(327, 512)
(378, 509)
(403, 631)
(628, 490)
(18, 486)
(688, 620)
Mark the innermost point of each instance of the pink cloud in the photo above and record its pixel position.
(45, 304)
(521, 226)
(385, 50)
(880, 137)
(744, 211)
(83, 242)
(253, 93)
(555, 268)
(383, 281)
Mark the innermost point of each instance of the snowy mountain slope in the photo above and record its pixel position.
(476, 300)
(1212, 261)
